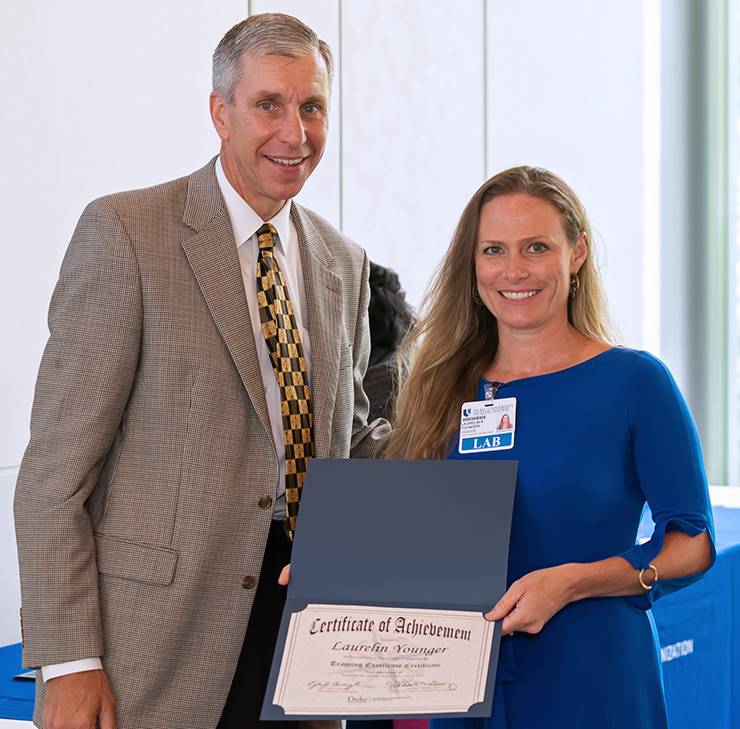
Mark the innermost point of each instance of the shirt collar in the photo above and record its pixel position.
(244, 220)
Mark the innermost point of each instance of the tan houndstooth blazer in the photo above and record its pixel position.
(137, 503)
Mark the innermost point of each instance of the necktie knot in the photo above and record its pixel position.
(267, 236)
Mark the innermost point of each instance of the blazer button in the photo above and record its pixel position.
(265, 502)
(248, 582)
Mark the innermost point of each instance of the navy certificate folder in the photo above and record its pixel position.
(420, 534)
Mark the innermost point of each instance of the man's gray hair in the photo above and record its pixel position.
(262, 35)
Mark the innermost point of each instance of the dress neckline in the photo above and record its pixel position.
(554, 372)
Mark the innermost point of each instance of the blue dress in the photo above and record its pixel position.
(594, 442)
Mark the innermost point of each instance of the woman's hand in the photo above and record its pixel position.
(532, 600)
(284, 577)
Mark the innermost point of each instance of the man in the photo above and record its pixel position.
(197, 358)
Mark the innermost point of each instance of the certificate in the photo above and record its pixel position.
(394, 564)
(353, 660)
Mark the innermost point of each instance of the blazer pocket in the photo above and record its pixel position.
(132, 561)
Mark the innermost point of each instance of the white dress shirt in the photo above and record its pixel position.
(246, 222)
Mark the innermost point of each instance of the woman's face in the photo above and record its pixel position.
(524, 261)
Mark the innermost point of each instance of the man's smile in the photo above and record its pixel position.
(286, 161)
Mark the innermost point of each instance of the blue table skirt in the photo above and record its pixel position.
(699, 629)
(16, 697)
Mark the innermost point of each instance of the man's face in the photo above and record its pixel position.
(273, 130)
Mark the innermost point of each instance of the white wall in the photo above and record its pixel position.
(565, 92)
(413, 128)
(10, 597)
(682, 183)
(430, 97)
(97, 97)
(433, 100)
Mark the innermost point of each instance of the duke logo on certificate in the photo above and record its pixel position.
(487, 425)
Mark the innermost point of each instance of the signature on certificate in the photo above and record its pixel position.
(333, 686)
(412, 684)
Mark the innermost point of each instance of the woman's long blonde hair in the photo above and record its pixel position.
(456, 336)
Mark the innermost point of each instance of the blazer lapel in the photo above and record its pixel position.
(324, 301)
(214, 260)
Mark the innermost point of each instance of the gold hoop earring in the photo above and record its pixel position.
(575, 284)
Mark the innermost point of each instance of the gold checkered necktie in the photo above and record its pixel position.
(286, 351)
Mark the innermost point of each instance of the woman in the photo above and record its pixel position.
(516, 312)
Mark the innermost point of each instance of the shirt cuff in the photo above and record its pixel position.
(62, 669)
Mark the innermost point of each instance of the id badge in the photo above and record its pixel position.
(487, 425)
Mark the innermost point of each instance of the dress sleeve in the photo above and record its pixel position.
(670, 471)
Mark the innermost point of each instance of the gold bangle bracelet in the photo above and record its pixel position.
(640, 574)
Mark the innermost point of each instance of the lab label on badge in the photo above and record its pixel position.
(349, 660)
(487, 425)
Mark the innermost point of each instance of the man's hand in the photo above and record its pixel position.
(532, 600)
(284, 577)
(78, 701)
